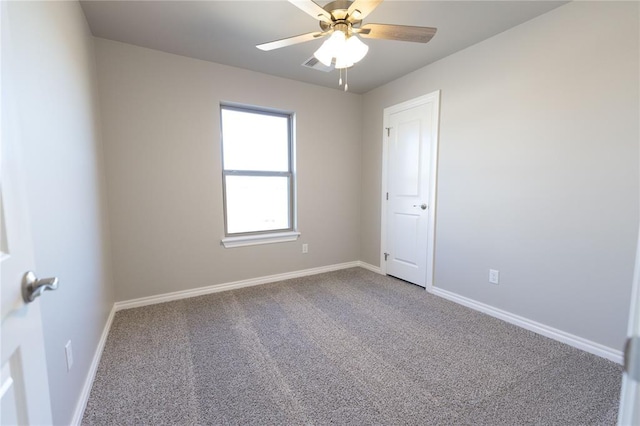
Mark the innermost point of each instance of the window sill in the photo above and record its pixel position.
(253, 240)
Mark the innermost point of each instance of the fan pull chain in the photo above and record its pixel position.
(346, 79)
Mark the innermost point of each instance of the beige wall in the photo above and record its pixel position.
(161, 128)
(60, 133)
(538, 168)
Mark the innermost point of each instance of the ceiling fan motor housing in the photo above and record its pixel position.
(340, 16)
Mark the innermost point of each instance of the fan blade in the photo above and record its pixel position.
(359, 9)
(397, 32)
(311, 8)
(289, 41)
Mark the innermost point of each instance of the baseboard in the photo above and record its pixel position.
(370, 267)
(185, 294)
(553, 333)
(88, 382)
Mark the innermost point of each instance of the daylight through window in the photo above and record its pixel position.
(257, 171)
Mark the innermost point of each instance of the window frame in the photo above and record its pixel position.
(271, 235)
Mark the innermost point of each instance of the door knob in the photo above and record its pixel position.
(423, 206)
(32, 287)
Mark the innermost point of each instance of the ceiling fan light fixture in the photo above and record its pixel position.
(324, 56)
(345, 50)
(356, 49)
(343, 62)
(330, 48)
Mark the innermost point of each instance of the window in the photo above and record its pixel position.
(257, 176)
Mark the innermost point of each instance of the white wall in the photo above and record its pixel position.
(162, 148)
(538, 168)
(60, 132)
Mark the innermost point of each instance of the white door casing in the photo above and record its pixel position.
(629, 412)
(24, 387)
(409, 172)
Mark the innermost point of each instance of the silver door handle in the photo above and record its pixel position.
(32, 287)
(422, 206)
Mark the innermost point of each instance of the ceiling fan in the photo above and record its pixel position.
(342, 21)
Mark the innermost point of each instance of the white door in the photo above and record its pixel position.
(24, 387)
(629, 413)
(411, 133)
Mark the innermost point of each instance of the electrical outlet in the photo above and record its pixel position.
(494, 276)
(305, 248)
(69, 353)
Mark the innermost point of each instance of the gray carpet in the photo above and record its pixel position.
(346, 347)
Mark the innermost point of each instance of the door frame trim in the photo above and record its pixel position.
(629, 410)
(433, 97)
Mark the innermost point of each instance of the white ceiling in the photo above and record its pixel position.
(226, 32)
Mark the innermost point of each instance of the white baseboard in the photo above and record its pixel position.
(88, 382)
(370, 267)
(184, 294)
(536, 327)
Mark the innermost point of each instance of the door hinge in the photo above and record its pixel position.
(632, 358)
(387, 196)
(386, 255)
(388, 129)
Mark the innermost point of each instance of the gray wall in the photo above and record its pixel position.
(61, 142)
(162, 149)
(538, 168)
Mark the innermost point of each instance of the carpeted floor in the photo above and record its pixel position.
(346, 347)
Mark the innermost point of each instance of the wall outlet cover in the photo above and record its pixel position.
(494, 276)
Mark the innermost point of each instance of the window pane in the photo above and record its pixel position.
(253, 141)
(257, 203)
